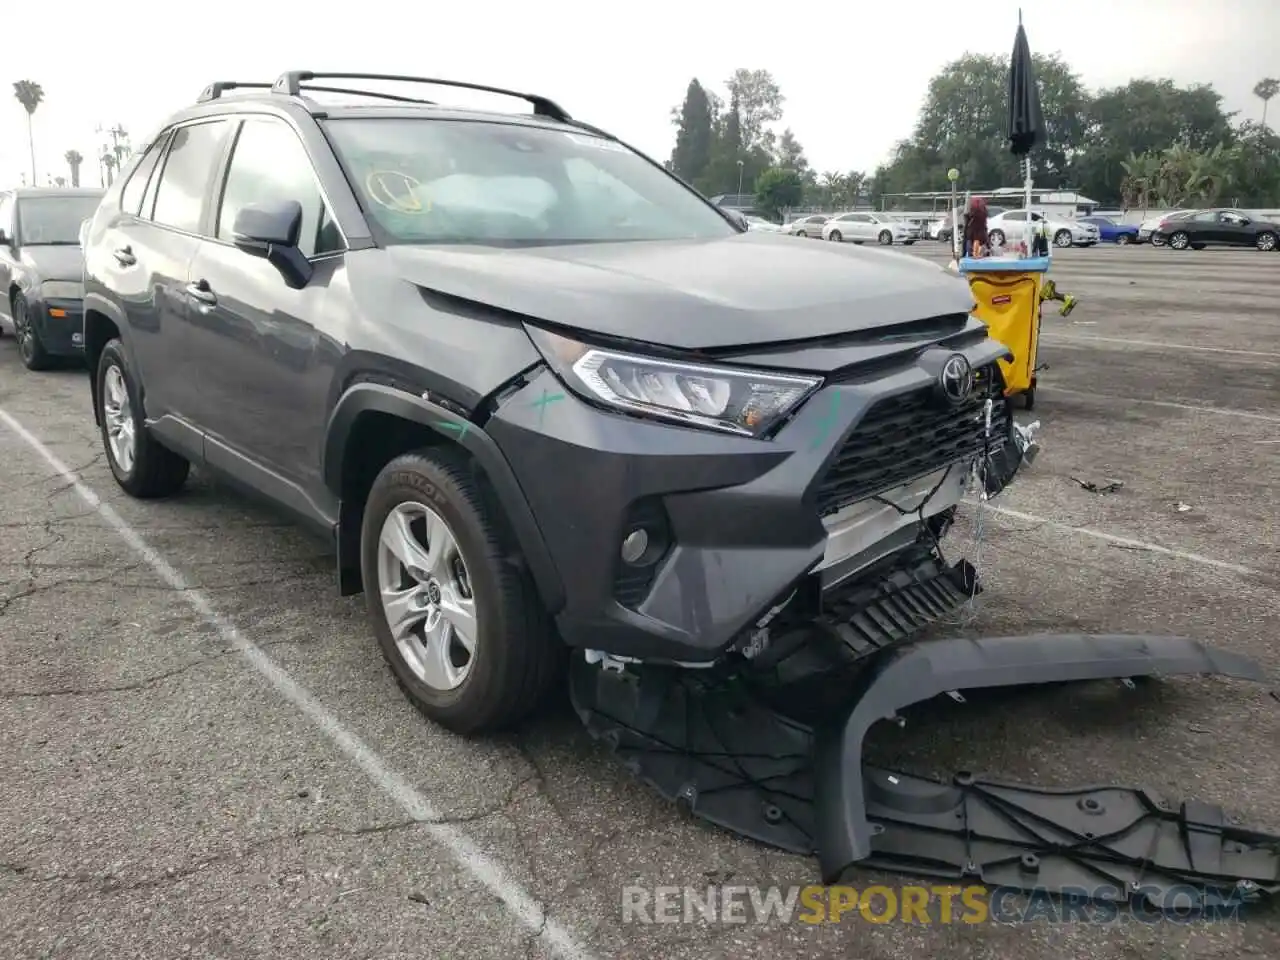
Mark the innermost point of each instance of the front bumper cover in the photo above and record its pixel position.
(711, 743)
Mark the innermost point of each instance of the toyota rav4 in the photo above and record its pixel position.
(544, 398)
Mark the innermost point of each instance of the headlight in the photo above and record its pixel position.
(62, 290)
(745, 402)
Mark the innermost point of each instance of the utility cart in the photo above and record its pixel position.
(1006, 291)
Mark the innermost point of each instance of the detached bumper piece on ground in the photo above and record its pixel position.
(724, 743)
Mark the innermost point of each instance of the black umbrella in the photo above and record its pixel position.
(1026, 120)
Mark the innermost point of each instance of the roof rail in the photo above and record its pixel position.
(291, 84)
(214, 90)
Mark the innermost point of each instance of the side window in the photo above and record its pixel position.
(1016, 215)
(195, 152)
(1207, 217)
(131, 198)
(269, 163)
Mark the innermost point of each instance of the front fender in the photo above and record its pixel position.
(925, 670)
(364, 398)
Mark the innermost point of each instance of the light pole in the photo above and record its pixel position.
(953, 175)
(739, 179)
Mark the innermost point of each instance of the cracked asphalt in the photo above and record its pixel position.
(160, 798)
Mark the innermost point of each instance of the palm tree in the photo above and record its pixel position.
(74, 158)
(1264, 91)
(108, 164)
(29, 94)
(832, 183)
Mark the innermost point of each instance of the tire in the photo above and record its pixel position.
(1158, 241)
(1062, 238)
(515, 656)
(996, 238)
(153, 470)
(834, 236)
(1266, 241)
(885, 238)
(30, 349)
(1179, 240)
(907, 243)
(1122, 240)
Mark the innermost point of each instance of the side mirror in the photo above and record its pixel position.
(271, 231)
(737, 218)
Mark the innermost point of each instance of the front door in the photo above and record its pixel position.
(263, 395)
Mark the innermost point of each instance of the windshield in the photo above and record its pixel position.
(53, 220)
(459, 181)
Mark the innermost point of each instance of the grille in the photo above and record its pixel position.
(909, 436)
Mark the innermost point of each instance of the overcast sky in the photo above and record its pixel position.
(853, 73)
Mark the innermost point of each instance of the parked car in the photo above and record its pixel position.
(555, 403)
(42, 267)
(1111, 232)
(1227, 227)
(1147, 229)
(1011, 227)
(868, 227)
(810, 226)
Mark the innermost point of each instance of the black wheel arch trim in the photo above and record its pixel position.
(921, 671)
(363, 398)
(96, 303)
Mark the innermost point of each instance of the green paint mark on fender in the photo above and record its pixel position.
(543, 402)
(457, 428)
(827, 422)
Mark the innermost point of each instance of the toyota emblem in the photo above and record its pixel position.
(956, 379)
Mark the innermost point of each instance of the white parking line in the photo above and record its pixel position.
(1173, 405)
(460, 846)
(1132, 544)
(1158, 345)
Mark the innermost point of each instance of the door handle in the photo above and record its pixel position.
(200, 291)
(124, 256)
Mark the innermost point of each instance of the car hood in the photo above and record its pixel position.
(61, 262)
(749, 288)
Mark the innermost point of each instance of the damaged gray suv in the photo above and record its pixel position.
(542, 396)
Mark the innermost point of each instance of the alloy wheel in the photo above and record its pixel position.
(1267, 241)
(117, 410)
(1179, 241)
(22, 331)
(426, 596)
(1062, 238)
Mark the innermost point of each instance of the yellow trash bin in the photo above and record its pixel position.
(1006, 294)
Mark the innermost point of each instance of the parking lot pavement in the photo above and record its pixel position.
(166, 790)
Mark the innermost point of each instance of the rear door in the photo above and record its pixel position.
(147, 252)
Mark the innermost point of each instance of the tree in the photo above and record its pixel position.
(962, 125)
(1147, 116)
(59, 181)
(759, 102)
(1255, 175)
(29, 94)
(788, 153)
(1264, 90)
(74, 160)
(108, 160)
(778, 189)
(692, 154)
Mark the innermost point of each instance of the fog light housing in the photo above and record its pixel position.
(645, 542)
(634, 544)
